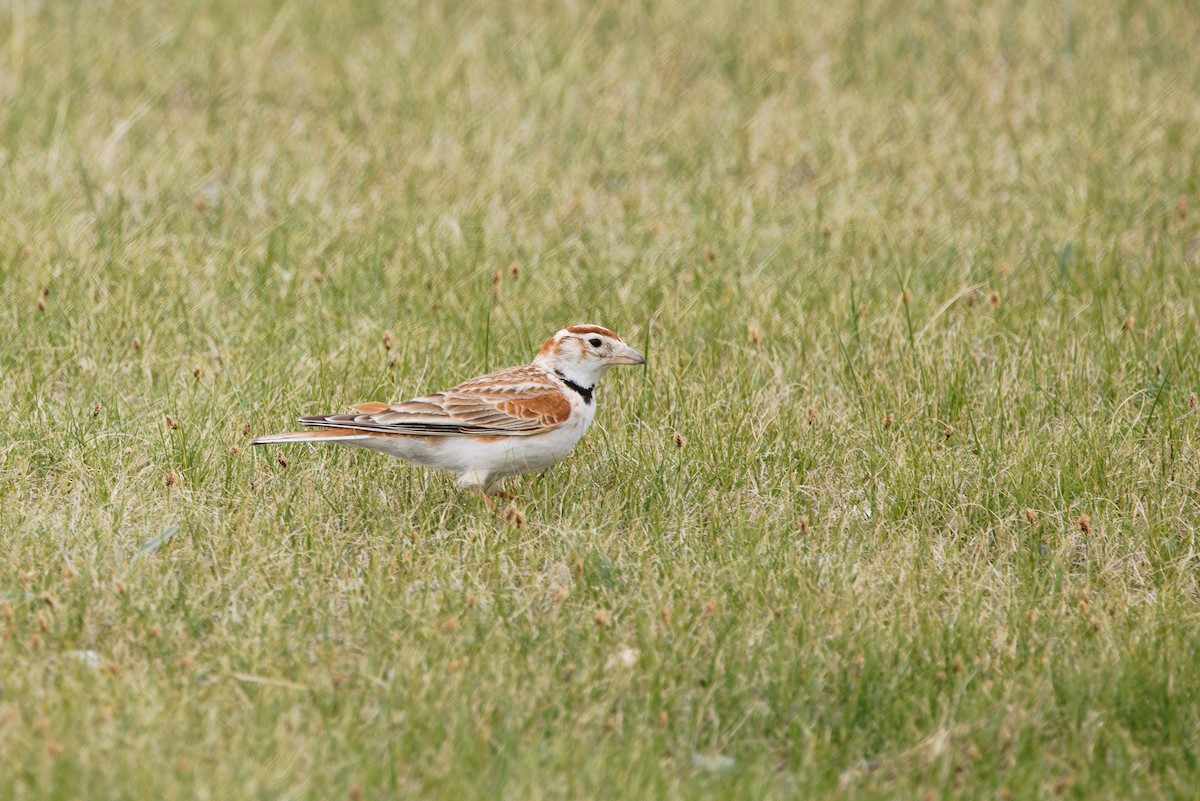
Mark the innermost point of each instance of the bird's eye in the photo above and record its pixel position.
(595, 343)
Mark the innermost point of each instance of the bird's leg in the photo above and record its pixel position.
(478, 483)
(492, 488)
(482, 493)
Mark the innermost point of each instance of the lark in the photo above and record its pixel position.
(518, 420)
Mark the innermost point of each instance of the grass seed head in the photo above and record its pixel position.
(234, 450)
(41, 304)
(43, 622)
(514, 271)
(994, 299)
(317, 278)
(387, 340)
(813, 414)
(197, 372)
(49, 600)
(1003, 269)
(171, 478)
(678, 439)
(25, 577)
(889, 420)
(802, 524)
(450, 626)
(755, 334)
(246, 429)
(663, 719)
(54, 749)
(602, 618)
(906, 296)
(137, 344)
(666, 614)
(172, 423)
(1181, 206)
(948, 431)
(281, 459)
(513, 516)
(120, 588)
(1085, 524)
(710, 254)
(1193, 400)
(6, 610)
(1030, 515)
(1128, 324)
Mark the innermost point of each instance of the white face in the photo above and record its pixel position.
(583, 355)
(598, 348)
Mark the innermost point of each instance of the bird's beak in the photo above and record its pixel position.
(627, 356)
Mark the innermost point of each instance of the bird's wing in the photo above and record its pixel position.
(515, 402)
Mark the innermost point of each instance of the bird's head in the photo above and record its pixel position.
(582, 353)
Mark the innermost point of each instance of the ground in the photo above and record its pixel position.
(905, 504)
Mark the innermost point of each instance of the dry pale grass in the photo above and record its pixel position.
(905, 504)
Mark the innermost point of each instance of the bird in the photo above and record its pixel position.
(518, 420)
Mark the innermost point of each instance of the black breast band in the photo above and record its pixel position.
(583, 392)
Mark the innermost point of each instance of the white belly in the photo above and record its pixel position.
(479, 461)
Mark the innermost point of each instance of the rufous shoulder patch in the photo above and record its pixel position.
(550, 408)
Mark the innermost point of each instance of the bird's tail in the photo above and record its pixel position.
(322, 435)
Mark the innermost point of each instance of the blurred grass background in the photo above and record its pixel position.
(904, 505)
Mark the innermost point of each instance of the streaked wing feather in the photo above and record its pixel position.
(516, 402)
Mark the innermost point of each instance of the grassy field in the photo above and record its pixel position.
(905, 504)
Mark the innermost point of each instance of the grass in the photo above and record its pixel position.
(905, 504)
